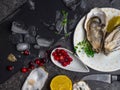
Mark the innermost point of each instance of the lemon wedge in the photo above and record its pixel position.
(113, 23)
(61, 82)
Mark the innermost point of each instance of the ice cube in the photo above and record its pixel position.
(18, 28)
(29, 39)
(22, 46)
(32, 30)
(16, 38)
(44, 42)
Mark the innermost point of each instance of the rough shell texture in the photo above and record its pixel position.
(94, 26)
(36, 80)
(81, 85)
(112, 41)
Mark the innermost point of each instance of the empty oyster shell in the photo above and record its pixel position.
(36, 80)
(12, 58)
(94, 25)
(81, 85)
(112, 41)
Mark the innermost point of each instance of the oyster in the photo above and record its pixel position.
(112, 41)
(94, 25)
(36, 80)
(81, 85)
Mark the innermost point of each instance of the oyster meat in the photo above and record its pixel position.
(36, 80)
(94, 26)
(81, 85)
(112, 41)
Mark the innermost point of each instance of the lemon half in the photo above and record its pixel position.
(61, 82)
(113, 23)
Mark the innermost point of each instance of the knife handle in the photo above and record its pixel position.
(118, 77)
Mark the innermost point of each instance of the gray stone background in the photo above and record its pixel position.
(16, 81)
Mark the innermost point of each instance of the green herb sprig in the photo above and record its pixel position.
(87, 48)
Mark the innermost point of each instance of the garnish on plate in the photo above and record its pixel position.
(86, 47)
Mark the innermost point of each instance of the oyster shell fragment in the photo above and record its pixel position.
(81, 85)
(94, 25)
(112, 41)
(36, 80)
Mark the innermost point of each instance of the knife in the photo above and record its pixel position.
(108, 78)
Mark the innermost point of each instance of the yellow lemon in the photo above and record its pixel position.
(61, 82)
(113, 23)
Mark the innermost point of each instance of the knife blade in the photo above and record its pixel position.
(107, 78)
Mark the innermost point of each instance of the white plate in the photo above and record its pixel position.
(99, 62)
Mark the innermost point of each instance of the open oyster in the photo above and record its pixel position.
(81, 85)
(94, 25)
(35, 80)
(112, 41)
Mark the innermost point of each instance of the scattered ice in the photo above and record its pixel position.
(41, 54)
(44, 42)
(32, 4)
(32, 30)
(72, 4)
(59, 21)
(72, 23)
(22, 46)
(18, 28)
(59, 26)
(29, 39)
(16, 38)
(49, 26)
(36, 46)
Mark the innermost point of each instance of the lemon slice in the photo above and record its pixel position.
(113, 23)
(61, 82)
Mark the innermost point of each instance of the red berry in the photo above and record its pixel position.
(57, 51)
(31, 67)
(56, 58)
(54, 54)
(37, 61)
(26, 52)
(64, 64)
(61, 57)
(41, 64)
(10, 68)
(24, 70)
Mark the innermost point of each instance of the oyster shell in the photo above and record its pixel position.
(112, 41)
(36, 80)
(94, 25)
(81, 85)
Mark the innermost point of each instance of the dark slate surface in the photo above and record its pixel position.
(45, 11)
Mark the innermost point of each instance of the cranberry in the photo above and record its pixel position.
(54, 54)
(37, 61)
(64, 64)
(56, 58)
(31, 67)
(41, 64)
(26, 52)
(24, 70)
(61, 57)
(10, 68)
